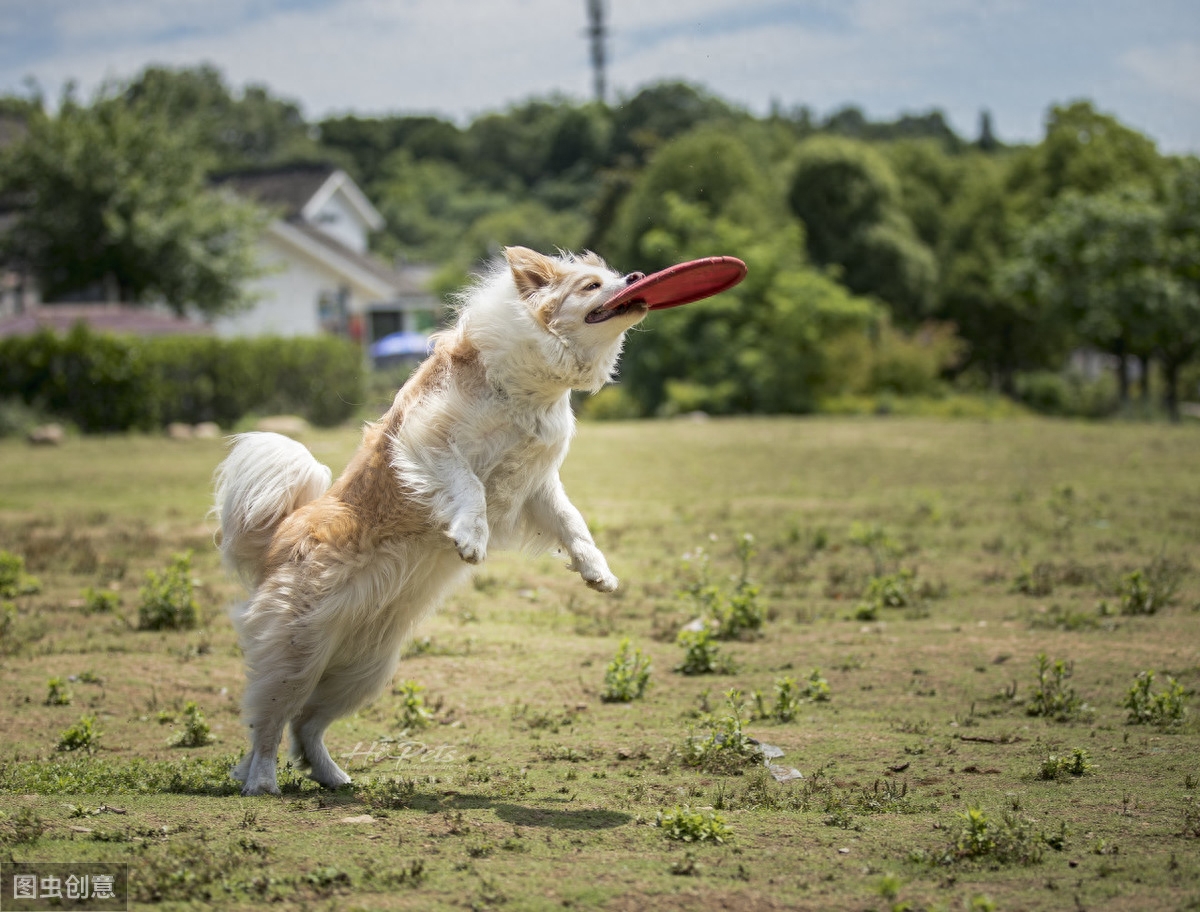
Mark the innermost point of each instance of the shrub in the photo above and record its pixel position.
(726, 748)
(1069, 393)
(626, 676)
(1010, 840)
(167, 599)
(100, 601)
(57, 693)
(701, 654)
(83, 735)
(687, 825)
(1147, 591)
(817, 688)
(1053, 697)
(113, 383)
(14, 581)
(27, 826)
(196, 732)
(1164, 709)
(413, 712)
(1058, 766)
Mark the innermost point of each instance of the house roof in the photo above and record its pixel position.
(121, 319)
(300, 190)
(289, 188)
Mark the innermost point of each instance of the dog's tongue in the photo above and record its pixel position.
(683, 283)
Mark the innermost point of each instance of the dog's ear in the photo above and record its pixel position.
(531, 270)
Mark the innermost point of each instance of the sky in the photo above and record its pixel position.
(1136, 59)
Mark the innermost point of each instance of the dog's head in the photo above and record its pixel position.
(564, 299)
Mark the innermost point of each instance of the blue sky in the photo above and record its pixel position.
(458, 58)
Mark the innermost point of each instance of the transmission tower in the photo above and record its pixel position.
(597, 32)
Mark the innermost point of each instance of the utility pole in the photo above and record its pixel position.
(597, 33)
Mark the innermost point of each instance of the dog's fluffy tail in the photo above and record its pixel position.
(264, 478)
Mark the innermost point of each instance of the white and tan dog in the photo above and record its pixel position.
(464, 461)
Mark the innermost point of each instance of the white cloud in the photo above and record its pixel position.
(1172, 69)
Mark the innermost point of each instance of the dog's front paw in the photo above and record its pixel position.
(470, 537)
(600, 580)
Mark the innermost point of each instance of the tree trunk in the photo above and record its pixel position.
(1144, 364)
(1171, 391)
(1122, 372)
(1123, 379)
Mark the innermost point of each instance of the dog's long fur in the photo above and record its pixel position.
(465, 460)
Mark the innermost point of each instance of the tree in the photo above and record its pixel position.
(114, 203)
(660, 113)
(763, 346)
(1086, 152)
(708, 168)
(1122, 268)
(849, 200)
(1177, 332)
(253, 129)
(1005, 331)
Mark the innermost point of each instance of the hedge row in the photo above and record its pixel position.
(114, 383)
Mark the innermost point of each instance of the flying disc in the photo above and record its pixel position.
(682, 283)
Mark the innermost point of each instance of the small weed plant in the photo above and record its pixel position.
(726, 748)
(167, 599)
(1149, 590)
(817, 688)
(689, 825)
(26, 827)
(892, 590)
(1053, 697)
(627, 675)
(389, 793)
(734, 614)
(1009, 840)
(1036, 581)
(413, 712)
(100, 601)
(196, 731)
(14, 581)
(876, 540)
(1166, 709)
(701, 655)
(1062, 766)
(82, 736)
(57, 692)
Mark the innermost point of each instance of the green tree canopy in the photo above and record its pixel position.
(114, 204)
(849, 200)
(252, 128)
(1086, 152)
(708, 168)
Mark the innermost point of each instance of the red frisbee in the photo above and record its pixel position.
(682, 283)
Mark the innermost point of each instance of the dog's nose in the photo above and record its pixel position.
(634, 277)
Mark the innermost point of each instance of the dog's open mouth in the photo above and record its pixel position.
(608, 311)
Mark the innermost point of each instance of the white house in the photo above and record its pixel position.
(318, 275)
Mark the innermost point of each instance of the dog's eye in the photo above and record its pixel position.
(593, 286)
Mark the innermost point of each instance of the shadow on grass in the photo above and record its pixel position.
(209, 778)
(520, 814)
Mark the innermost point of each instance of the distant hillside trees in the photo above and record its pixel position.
(886, 256)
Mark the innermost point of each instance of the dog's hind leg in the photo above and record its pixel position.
(336, 694)
(271, 699)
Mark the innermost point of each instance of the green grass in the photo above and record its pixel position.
(978, 545)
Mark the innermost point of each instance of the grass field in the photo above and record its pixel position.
(919, 568)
